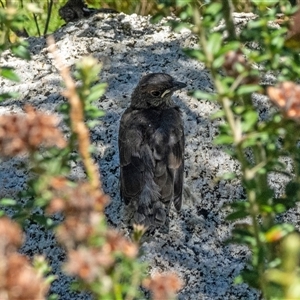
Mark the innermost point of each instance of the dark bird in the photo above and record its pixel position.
(77, 9)
(151, 149)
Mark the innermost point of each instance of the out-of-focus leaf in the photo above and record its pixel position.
(195, 53)
(96, 92)
(250, 119)
(223, 139)
(213, 8)
(239, 214)
(203, 95)
(214, 43)
(229, 176)
(248, 89)
(10, 95)
(20, 51)
(7, 202)
(177, 26)
(9, 73)
(218, 114)
(277, 232)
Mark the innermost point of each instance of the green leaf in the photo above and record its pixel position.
(92, 124)
(213, 8)
(223, 139)
(239, 214)
(251, 277)
(292, 189)
(218, 62)
(8, 73)
(53, 296)
(248, 89)
(229, 176)
(214, 43)
(250, 119)
(178, 26)
(156, 18)
(243, 236)
(42, 220)
(233, 45)
(265, 4)
(9, 95)
(217, 114)
(277, 232)
(96, 92)
(204, 95)
(238, 280)
(240, 204)
(195, 53)
(257, 23)
(93, 112)
(7, 202)
(20, 51)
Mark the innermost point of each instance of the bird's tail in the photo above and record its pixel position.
(151, 212)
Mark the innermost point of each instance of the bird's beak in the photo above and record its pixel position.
(177, 85)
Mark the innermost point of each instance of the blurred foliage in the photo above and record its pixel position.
(40, 17)
(238, 60)
(11, 21)
(44, 19)
(103, 262)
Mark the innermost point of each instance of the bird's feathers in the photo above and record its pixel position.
(151, 149)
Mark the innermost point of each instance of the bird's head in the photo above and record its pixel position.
(155, 90)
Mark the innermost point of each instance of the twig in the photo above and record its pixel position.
(77, 117)
(50, 4)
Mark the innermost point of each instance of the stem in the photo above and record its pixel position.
(36, 24)
(78, 126)
(48, 16)
(135, 279)
(228, 10)
(235, 127)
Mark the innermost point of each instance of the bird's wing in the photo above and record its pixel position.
(168, 152)
(151, 153)
(132, 164)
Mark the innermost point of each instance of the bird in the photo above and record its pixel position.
(77, 9)
(151, 151)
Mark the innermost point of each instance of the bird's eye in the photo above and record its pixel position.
(155, 93)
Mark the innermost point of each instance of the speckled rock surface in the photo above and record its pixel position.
(129, 47)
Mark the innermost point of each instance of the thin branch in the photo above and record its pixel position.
(228, 10)
(48, 16)
(77, 118)
(36, 23)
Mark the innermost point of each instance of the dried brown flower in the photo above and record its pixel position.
(86, 263)
(287, 97)
(117, 242)
(78, 198)
(75, 230)
(163, 286)
(82, 206)
(19, 281)
(10, 235)
(25, 133)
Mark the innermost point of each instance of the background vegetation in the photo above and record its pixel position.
(44, 19)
